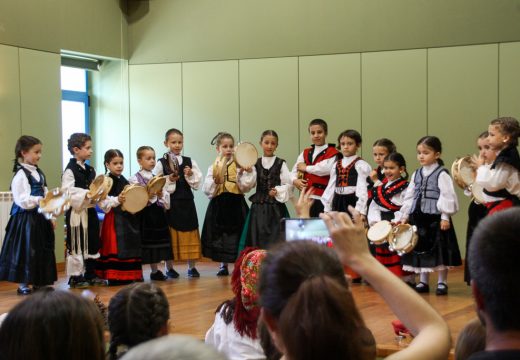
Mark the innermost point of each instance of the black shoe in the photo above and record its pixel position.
(411, 284)
(223, 271)
(97, 282)
(158, 276)
(442, 289)
(422, 288)
(193, 273)
(26, 290)
(78, 282)
(172, 274)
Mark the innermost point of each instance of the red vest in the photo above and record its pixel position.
(319, 183)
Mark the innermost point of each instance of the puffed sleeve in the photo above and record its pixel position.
(133, 180)
(328, 194)
(21, 190)
(504, 176)
(165, 199)
(374, 213)
(294, 171)
(158, 170)
(398, 199)
(363, 169)
(284, 190)
(322, 168)
(196, 177)
(448, 203)
(78, 196)
(108, 203)
(246, 180)
(408, 199)
(209, 186)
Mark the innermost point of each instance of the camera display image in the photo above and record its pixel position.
(307, 229)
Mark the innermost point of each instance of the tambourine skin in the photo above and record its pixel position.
(136, 198)
(55, 203)
(246, 155)
(403, 239)
(462, 172)
(379, 233)
(155, 186)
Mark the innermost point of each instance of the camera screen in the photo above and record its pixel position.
(307, 229)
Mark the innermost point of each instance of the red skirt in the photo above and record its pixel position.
(109, 266)
(390, 260)
(500, 205)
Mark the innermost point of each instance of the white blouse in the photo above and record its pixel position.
(284, 190)
(245, 181)
(193, 180)
(21, 188)
(374, 210)
(148, 175)
(503, 176)
(447, 204)
(227, 340)
(322, 168)
(360, 189)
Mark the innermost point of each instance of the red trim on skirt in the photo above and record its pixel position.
(500, 205)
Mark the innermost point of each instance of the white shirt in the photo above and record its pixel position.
(21, 188)
(78, 200)
(503, 176)
(193, 180)
(245, 181)
(227, 340)
(447, 204)
(360, 189)
(284, 190)
(322, 168)
(374, 210)
(147, 176)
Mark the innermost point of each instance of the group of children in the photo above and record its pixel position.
(167, 229)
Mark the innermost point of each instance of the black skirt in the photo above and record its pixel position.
(225, 218)
(342, 202)
(155, 235)
(476, 212)
(182, 215)
(263, 228)
(435, 247)
(28, 250)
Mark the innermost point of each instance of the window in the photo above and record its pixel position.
(74, 105)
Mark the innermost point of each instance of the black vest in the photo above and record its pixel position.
(82, 177)
(37, 188)
(346, 176)
(182, 188)
(266, 180)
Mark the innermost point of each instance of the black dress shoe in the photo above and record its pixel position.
(193, 273)
(422, 288)
(24, 290)
(158, 276)
(172, 274)
(442, 289)
(223, 271)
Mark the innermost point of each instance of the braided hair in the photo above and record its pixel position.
(136, 314)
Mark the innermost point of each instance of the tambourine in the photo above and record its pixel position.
(379, 233)
(403, 238)
(478, 193)
(99, 188)
(246, 155)
(136, 198)
(219, 170)
(155, 186)
(462, 172)
(55, 203)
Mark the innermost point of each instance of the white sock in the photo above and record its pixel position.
(424, 277)
(443, 276)
(223, 264)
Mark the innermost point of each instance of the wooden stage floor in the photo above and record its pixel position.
(193, 303)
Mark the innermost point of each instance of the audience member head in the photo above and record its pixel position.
(493, 263)
(53, 324)
(305, 281)
(137, 313)
(472, 339)
(173, 347)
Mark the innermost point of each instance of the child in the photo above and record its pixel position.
(476, 210)
(225, 184)
(120, 261)
(380, 150)
(501, 181)
(155, 236)
(348, 177)
(429, 202)
(27, 255)
(314, 164)
(386, 205)
(184, 176)
(136, 314)
(234, 331)
(273, 190)
(81, 220)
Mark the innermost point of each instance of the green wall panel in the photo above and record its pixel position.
(155, 106)
(10, 126)
(330, 89)
(269, 100)
(210, 104)
(394, 100)
(509, 79)
(462, 99)
(41, 116)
